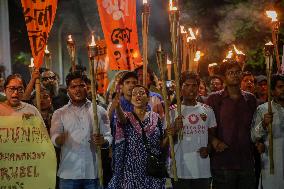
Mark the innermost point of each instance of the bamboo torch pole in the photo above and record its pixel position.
(93, 51)
(145, 25)
(269, 60)
(275, 30)
(162, 65)
(174, 17)
(72, 51)
(37, 85)
(47, 58)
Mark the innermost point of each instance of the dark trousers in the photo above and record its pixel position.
(202, 183)
(234, 179)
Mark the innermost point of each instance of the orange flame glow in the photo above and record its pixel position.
(70, 38)
(269, 43)
(230, 54)
(46, 51)
(93, 42)
(182, 30)
(238, 51)
(168, 61)
(197, 56)
(272, 15)
(172, 8)
(32, 63)
(191, 35)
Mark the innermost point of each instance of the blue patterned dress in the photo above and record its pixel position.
(130, 154)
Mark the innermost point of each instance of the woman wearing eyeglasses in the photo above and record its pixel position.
(14, 88)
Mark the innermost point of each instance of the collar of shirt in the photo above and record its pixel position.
(87, 103)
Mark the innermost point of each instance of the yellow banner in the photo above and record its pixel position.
(27, 156)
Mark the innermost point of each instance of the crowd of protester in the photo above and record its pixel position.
(220, 139)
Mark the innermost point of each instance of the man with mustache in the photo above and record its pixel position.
(72, 131)
(232, 160)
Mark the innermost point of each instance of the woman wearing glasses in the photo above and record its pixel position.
(14, 88)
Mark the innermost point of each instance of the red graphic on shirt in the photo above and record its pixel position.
(193, 119)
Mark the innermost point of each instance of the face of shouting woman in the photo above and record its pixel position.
(139, 97)
(14, 92)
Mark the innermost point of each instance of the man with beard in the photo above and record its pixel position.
(216, 83)
(260, 132)
(232, 160)
(50, 81)
(71, 130)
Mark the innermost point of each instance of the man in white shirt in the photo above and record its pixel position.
(191, 153)
(259, 132)
(72, 130)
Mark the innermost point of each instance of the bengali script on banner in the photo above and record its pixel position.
(39, 17)
(118, 20)
(27, 156)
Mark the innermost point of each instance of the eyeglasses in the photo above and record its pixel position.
(13, 89)
(234, 73)
(49, 78)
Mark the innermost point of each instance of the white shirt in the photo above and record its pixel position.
(78, 158)
(275, 181)
(196, 121)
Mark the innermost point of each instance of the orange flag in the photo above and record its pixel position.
(118, 20)
(39, 17)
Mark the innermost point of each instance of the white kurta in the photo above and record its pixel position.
(275, 181)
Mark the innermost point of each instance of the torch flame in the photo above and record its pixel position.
(172, 8)
(93, 42)
(191, 35)
(168, 61)
(238, 51)
(32, 63)
(212, 65)
(182, 29)
(272, 15)
(70, 38)
(197, 31)
(145, 2)
(229, 55)
(46, 51)
(197, 56)
(269, 43)
(160, 47)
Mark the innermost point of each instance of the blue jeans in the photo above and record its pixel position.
(79, 184)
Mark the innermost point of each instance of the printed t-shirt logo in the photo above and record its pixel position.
(193, 119)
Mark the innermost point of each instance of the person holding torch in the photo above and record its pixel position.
(259, 132)
(72, 131)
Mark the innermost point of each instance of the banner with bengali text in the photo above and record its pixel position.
(118, 20)
(27, 156)
(39, 17)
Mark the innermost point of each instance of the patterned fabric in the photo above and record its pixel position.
(130, 153)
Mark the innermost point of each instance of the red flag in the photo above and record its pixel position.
(118, 20)
(39, 17)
